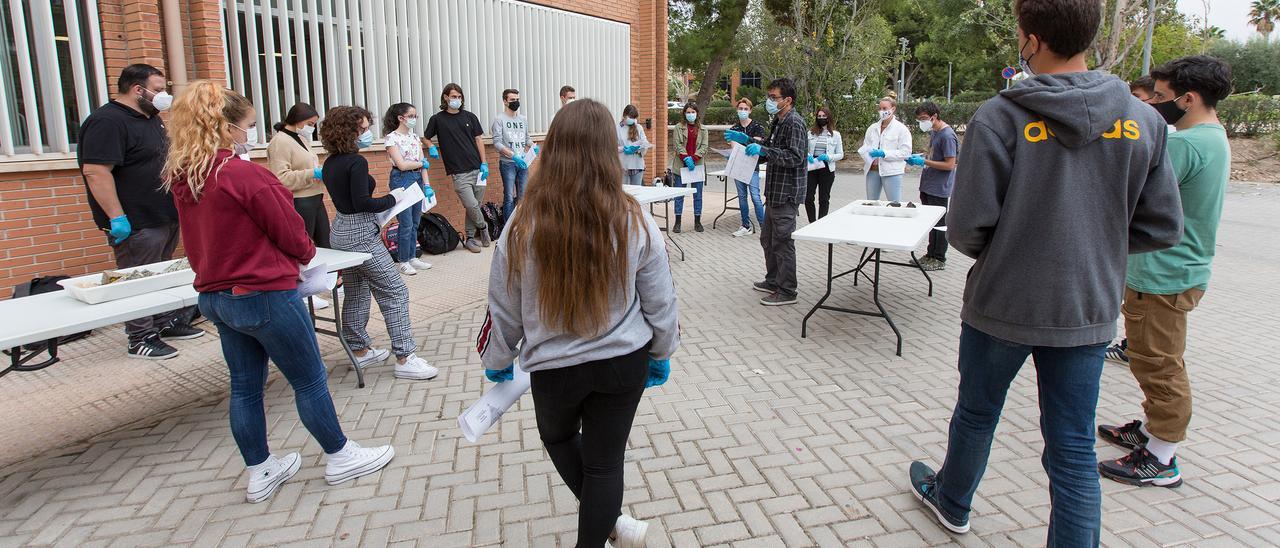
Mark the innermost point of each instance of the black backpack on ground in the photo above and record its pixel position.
(493, 217)
(436, 236)
(37, 286)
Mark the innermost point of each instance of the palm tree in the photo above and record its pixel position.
(1263, 15)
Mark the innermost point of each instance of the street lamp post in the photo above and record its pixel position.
(902, 72)
(1151, 28)
(948, 81)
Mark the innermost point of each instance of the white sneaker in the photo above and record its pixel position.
(319, 303)
(265, 478)
(407, 269)
(416, 368)
(353, 461)
(419, 264)
(374, 355)
(630, 532)
(743, 232)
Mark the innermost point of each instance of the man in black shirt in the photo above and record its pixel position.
(461, 145)
(121, 151)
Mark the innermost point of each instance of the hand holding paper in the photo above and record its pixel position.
(316, 279)
(405, 198)
(486, 411)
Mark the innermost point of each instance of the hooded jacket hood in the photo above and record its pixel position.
(1078, 107)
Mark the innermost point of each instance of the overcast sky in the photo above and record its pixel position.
(1231, 15)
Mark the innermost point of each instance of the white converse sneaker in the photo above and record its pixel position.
(629, 532)
(419, 264)
(743, 232)
(319, 303)
(416, 368)
(353, 461)
(265, 478)
(407, 269)
(374, 356)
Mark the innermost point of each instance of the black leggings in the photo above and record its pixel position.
(315, 217)
(820, 181)
(584, 415)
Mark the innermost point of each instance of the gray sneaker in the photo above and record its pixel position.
(777, 299)
(472, 245)
(485, 240)
(764, 287)
(930, 264)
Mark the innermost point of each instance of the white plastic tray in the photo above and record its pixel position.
(882, 210)
(87, 288)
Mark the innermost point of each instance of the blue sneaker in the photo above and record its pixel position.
(925, 487)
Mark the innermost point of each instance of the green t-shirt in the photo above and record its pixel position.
(1201, 159)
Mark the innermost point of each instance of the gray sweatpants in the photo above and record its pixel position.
(146, 246)
(376, 277)
(470, 194)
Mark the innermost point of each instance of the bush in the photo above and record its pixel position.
(756, 94)
(720, 115)
(1249, 115)
(971, 96)
(955, 113)
(719, 103)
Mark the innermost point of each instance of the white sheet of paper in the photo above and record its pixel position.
(405, 198)
(697, 175)
(741, 167)
(316, 280)
(486, 411)
(726, 152)
(817, 164)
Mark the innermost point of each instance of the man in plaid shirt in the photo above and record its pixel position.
(785, 182)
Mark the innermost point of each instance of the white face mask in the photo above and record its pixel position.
(250, 139)
(162, 101)
(307, 130)
(411, 122)
(884, 114)
(926, 125)
(455, 104)
(631, 121)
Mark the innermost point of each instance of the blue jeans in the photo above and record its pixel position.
(754, 188)
(275, 325)
(1068, 393)
(513, 179)
(633, 177)
(697, 197)
(892, 185)
(409, 219)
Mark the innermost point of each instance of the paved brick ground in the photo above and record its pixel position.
(760, 439)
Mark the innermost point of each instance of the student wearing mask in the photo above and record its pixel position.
(689, 142)
(344, 132)
(1143, 88)
(510, 131)
(404, 149)
(826, 146)
(885, 149)
(289, 156)
(750, 131)
(632, 145)
(121, 150)
(246, 245)
(938, 177)
(1049, 266)
(567, 95)
(462, 147)
(585, 284)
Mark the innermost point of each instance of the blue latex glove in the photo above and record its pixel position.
(317, 172)
(120, 229)
(504, 375)
(426, 164)
(659, 370)
(824, 158)
(809, 159)
(433, 152)
(536, 150)
(484, 172)
(916, 160)
(877, 153)
(736, 137)
(688, 162)
(753, 149)
(429, 192)
(520, 163)
(631, 149)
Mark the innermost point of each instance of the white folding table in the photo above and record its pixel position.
(730, 204)
(874, 234)
(47, 316)
(664, 194)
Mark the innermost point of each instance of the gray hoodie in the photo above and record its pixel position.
(646, 312)
(1059, 179)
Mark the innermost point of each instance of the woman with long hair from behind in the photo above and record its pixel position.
(246, 244)
(586, 285)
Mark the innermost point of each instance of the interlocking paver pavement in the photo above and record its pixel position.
(761, 438)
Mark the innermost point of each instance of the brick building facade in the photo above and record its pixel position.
(45, 224)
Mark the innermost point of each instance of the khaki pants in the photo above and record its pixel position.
(1156, 326)
(470, 193)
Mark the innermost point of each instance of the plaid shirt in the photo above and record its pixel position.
(787, 174)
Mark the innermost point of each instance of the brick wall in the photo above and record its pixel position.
(45, 224)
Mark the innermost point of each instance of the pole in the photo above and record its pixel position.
(1151, 29)
(948, 81)
(902, 72)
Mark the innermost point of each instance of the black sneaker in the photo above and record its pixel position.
(152, 348)
(777, 299)
(764, 287)
(1117, 352)
(1141, 468)
(925, 487)
(676, 229)
(1128, 436)
(180, 331)
(697, 224)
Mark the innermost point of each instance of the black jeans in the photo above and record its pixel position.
(315, 217)
(779, 248)
(145, 246)
(937, 238)
(820, 181)
(584, 415)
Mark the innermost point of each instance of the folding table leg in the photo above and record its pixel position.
(17, 362)
(916, 262)
(338, 330)
(727, 201)
(804, 324)
(666, 221)
(875, 296)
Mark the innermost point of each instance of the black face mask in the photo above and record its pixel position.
(1170, 111)
(822, 122)
(514, 106)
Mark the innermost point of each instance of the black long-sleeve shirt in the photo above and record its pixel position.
(351, 187)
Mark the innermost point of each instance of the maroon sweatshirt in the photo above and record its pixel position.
(243, 231)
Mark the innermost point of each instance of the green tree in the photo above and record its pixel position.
(701, 37)
(1253, 64)
(1263, 15)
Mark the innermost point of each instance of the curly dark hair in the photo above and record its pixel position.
(341, 128)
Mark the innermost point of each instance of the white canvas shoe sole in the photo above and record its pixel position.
(264, 492)
(362, 469)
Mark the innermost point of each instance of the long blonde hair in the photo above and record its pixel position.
(197, 121)
(575, 224)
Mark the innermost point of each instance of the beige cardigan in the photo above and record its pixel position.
(294, 165)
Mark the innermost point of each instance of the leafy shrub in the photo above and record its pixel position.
(971, 96)
(1249, 115)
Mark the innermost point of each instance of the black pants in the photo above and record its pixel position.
(584, 415)
(820, 181)
(145, 246)
(316, 217)
(937, 238)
